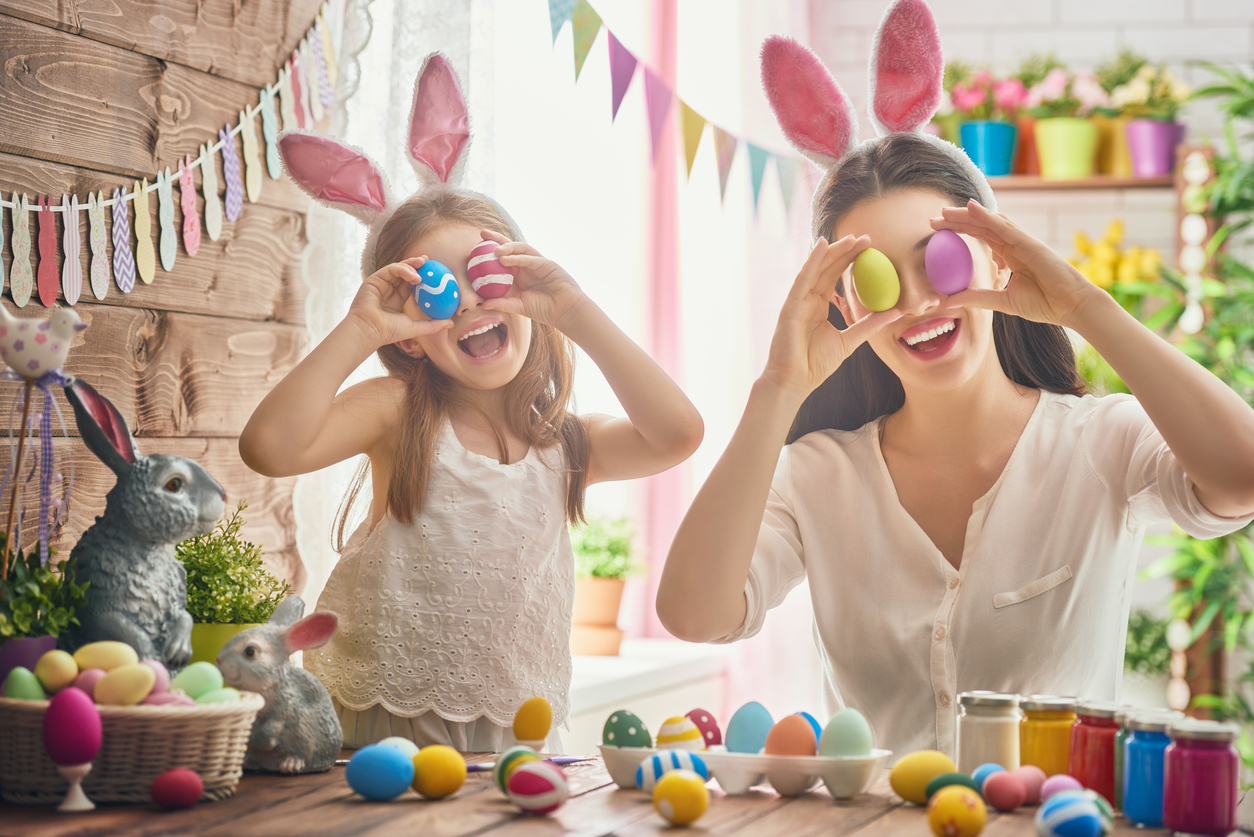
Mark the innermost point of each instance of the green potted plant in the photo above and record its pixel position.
(989, 107)
(1030, 73)
(37, 603)
(1113, 155)
(1146, 660)
(1151, 100)
(1066, 140)
(604, 560)
(228, 586)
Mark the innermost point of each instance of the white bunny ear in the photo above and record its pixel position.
(335, 174)
(439, 124)
(813, 111)
(906, 68)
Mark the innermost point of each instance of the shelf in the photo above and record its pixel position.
(1012, 182)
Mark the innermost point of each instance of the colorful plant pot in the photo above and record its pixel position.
(209, 639)
(1153, 146)
(1067, 146)
(950, 127)
(990, 145)
(1113, 156)
(24, 652)
(1026, 159)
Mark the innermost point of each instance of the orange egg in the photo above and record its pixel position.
(793, 736)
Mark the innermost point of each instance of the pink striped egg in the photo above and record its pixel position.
(538, 787)
(489, 278)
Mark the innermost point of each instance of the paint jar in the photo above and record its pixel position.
(1045, 732)
(988, 730)
(1142, 778)
(1200, 771)
(1092, 759)
(1121, 738)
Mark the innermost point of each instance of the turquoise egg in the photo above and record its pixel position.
(748, 728)
(983, 772)
(814, 725)
(846, 734)
(437, 295)
(379, 772)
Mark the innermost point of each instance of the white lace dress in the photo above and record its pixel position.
(448, 624)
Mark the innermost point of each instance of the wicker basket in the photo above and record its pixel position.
(139, 744)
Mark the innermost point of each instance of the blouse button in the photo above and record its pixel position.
(953, 583)
(944, 699)
(940, 633)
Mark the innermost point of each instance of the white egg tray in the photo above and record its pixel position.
(845, 776)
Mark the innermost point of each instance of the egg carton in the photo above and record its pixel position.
(844, 776)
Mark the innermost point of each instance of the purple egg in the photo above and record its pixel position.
(948, 262)
(72, 729)
(162, 683)
(87, 679)
(1059, 782)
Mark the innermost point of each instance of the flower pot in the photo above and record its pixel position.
(208, 640)
(990, 145)
(1153, 146)
(24, 652)
(1113, 156)
(1067, 146)
(1026, 159)
(597, 601)
(950, 127)
(595, 640)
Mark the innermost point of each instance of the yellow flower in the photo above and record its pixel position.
(1151, 259)
(1081, 242)
(1114, 231)
(1104, 253)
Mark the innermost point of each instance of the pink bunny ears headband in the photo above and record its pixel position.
(905, 91)
(343, 177)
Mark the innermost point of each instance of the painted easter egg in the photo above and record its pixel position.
(814, 724)
(983, 772)
(177, 788)
(681, 797)
(1004, 791)
(56, 669)
(439, 771)
(1070, 813)
(126, 685)
(23, 685)
(538, 787)
(680, 732)
(510, 760)
(875, 280)
(748, 728)
(956, 811)
(487, 275)
(406, 746)
(625, 729)
(162, 683)
(948, 263)
(87, 681)
(379, 773)
(224, 695)
(910, 776)
(1032, 777)
(655, 767)
(533, 720)
(792, 736)
(437, 294)
(710, 733)
(168, 699)
(105, 654)
(198, 679)
(1059, 782)
(846, 734)
(946, 780)
(72, 728)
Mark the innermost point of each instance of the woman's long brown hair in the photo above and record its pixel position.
(863, 388)
(537, 401)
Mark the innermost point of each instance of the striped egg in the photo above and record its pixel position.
(437, 295)
(538, 787)
(680, 733)
(488, 276)
(652, 769)
(510, 760)
(1071, 814)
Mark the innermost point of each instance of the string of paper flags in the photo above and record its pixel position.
(303, 88)
(658, 95)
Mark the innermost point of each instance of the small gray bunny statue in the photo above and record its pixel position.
(297, 730)
(138, 591)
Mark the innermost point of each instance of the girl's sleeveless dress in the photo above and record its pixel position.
(449, 623)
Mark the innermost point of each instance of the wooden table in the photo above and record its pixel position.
(322, 804)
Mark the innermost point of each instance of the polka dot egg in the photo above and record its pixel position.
(652, 769)
(680, 733)
(437, 295)
(705, 722)
(538, 787)
(625, 729)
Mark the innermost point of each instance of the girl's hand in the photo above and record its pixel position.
(1042, 287)
(806, 348)
(378, 308)
(542, 290)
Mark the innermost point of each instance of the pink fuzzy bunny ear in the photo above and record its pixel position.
(906, 68)
(439, 124)
(811, 108)
(338, 175)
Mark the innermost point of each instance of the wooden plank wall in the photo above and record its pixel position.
(97, 93)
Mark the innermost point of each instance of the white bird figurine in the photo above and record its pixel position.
(34, 347)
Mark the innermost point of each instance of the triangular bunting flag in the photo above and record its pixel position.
(622, 68)
(586, 24)
(758, 158)
(559, 13)
(693, 125)
(725, 147)
(657, 98)
(789, 171)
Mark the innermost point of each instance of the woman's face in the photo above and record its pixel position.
(961, 342)
(484, 350)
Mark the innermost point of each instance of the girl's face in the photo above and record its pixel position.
(899, 227)
(484, 350)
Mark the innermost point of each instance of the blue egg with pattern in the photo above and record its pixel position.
(437, 295)
(1071, 814)
(652, 769)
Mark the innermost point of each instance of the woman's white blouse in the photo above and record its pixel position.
(1040, 604)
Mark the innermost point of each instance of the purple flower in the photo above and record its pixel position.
(18, 345)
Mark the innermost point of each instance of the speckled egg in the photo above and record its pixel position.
(875, 280)
(655, 767)
(379, 773)
(106, 655)
(681, 733)
(792, 736)
(948, 263)
(705, 722)
(910, 776)
(88, 679)
(956, 811)
(748, 728)
(946, 780)
(72, 728)
(625, 729)
(23, 685)
(198, 679)
(437, 295)
(533, 720)
(1004, 791)
(847, 734)
(487, 275)
(177, 788)
(538, 787)
(126, 685)
(681, 797)
(506, 763)
(56, 669)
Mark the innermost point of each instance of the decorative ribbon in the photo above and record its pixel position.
(44, 457)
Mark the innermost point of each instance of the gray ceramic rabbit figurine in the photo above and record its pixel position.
(138, 592)
(297, 731)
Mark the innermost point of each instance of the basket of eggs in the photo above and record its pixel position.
(144, 724)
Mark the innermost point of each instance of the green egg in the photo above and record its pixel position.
(225, 695)
(23, 685)
(198, 679)
(875, 280)
(625, 729)
(846, 734)
(946, 779)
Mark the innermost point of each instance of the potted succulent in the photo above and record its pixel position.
(1113, 156)
(37, 603)
(1066, 139)
(228, 586)
(604, 560)
(989, 107)
(1151, 100)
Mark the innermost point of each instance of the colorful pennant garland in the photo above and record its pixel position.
(123, 258)
(586, 23)
(622, 70)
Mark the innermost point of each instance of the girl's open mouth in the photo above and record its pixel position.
(483, 343)
(935, 341)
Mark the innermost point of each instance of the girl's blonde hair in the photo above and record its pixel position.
(537, 400)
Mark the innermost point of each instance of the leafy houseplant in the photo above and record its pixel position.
(1113, 154)
(228, 586)
(604, 560)
(989, 107)
(39, 602)
(1151, 99)
(1065, 138)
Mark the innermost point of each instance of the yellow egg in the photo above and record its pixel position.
(533, 720)
(910, 776)
(956, 811)
(106, 655)
(875, 280)
(681, 796)
(126, 685)
(56, 670)
(439, 771)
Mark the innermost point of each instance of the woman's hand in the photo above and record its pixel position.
(378, 308)
(806, 348)
(1042, 287)
(542, 290)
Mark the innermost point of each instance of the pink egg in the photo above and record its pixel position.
(538, 787)
(177, 788)
(87, 680)
(1059, 782)
(162, 683)
(708, 726)
(948, 262)
(1032, 777)
(72, 729)
(1004, 791)
(489, 278)
(168, 699)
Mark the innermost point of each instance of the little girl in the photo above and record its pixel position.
(455, 596)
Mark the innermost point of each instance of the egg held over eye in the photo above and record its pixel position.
(875, 280)
(948, 262)
(437, 295)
